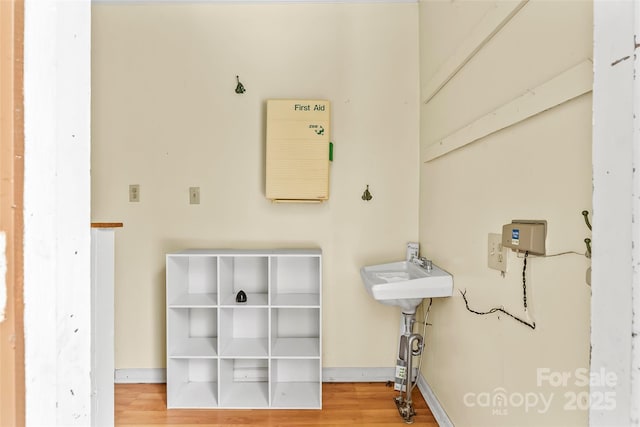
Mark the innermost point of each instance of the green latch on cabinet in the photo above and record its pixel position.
(331, 151)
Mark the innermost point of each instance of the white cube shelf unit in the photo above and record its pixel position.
(265, 353)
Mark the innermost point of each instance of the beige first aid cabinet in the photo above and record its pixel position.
(262, 353)
(297, 150)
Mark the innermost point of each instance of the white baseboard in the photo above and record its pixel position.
(357, 375)
(140, 376)
(433, 403)
(329, 375)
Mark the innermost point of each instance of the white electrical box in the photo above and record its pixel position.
(525, 236)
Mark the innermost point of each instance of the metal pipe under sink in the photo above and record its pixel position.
(406, 352)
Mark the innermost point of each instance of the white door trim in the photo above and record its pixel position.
(57, 205)
(616, 239)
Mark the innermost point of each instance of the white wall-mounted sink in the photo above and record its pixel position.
(404, 284)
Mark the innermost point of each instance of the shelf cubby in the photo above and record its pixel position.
(246, 273)
(295, 281)
(295, 332)
(194, 281)
(245, 383)
(192, 332)
(192, 383)
(296, 383)
(244, 332)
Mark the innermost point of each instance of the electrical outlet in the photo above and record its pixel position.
(134, 193)
(194, 195)
(496, 253)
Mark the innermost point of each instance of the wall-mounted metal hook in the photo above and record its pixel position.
(240, 87)
(585, 214)
(367, 195)
(587, 242)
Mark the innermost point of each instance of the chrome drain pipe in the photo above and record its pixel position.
(410, 345)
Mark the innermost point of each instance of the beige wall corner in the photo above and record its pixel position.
(538, 168)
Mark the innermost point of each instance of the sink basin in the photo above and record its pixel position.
(405, 284)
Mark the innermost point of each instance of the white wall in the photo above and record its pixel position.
(616, 185)
(57, 304)
(165, 116)
(539, 168)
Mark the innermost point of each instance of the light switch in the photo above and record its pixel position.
(194, 195)
(496, 253)
(134, 193)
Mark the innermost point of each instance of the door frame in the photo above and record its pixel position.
(57, 212)
(615, 290)
(12, 385)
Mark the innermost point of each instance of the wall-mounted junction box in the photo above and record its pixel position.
(525, 236)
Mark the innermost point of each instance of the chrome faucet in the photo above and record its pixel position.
(423, 262)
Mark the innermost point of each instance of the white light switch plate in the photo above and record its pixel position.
(194, 195)
(134, 193)
(496, 253)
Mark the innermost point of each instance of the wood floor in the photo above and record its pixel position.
(364, 404)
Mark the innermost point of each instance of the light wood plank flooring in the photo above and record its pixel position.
(364, 404)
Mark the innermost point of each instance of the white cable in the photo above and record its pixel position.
(564, 253)
(424, 331)
(518, 254)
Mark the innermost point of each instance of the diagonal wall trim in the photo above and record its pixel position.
(565, 86)
(490, 25)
